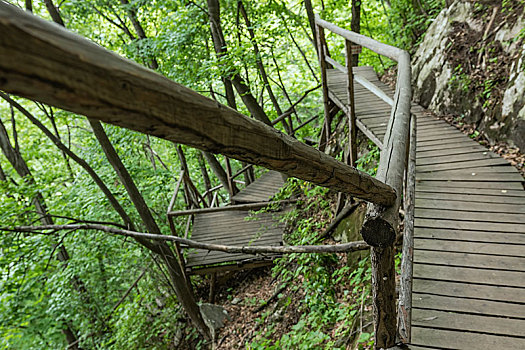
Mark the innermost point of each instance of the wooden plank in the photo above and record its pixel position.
(470, 225)
(462, 165)
(470, 291)
(469, 186)
(435, 145)
(445, 339)
(268, 241)
(499, 198)
(241, 237)
(463, 215)
(424, 128)
(470, 306)
(459, 259)
(470, 275)
(440, 134)
(484, 169)
(473, 148)
(424, 186)
(447, 138)
(491, 248)
(470, 236)
(472, 176)
(470, 206)
(456, 158)
(429, 122)
(469, 323)
(237, 227)
(210, 259)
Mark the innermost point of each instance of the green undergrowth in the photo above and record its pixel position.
(325, 302)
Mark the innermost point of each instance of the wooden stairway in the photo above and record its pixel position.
(239, 228)
(469, 237)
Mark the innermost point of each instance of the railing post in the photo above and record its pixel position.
(229, 175)
(352, 128)
(405, 286)
(321, 43)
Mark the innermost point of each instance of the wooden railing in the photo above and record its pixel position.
(381, 224)
(48, 64)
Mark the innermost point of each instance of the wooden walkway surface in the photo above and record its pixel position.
(239, 228)
(469, 249)
(262, 189)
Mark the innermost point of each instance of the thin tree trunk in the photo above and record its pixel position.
(113, 201)
(218, 170)
(258, 60)
(29, 6)
(355, 25)
(53, 12)
(219, 44)
(311, 20)
(205, 176)
(299, 48)
(132, 15)
(176, 271)
(182, 289)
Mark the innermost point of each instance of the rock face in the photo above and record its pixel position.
(471, 64)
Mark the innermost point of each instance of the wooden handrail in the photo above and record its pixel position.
(49, 64)
(247, 206)
(381, 224)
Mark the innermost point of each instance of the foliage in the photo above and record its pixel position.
(328, 311)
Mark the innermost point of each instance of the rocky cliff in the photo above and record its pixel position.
(471, 64)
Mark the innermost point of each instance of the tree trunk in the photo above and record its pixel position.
(260, 65)
(53, 12)
(141, 34)
(218, 170)
(219, 43)
(205, 177)
(176, 271)
(311, 20)
(355, 25)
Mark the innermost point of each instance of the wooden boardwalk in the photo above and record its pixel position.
(262, 189)
(469, 248)
(238, 228)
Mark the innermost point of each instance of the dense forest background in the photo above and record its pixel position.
(91, 290)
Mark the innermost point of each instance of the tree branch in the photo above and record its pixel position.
(330, 248)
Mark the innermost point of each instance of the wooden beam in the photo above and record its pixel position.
(248, 206)
(405, 289)
(44, 62)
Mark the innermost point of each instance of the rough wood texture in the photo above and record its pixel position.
(44, 62)
(405, 287)
(469, 261)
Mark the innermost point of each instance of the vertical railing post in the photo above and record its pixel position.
(384, 296)
(321, 43)
(405, 285)
(352, 129)
(229, 175)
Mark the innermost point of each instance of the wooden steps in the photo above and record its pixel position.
(239, 228)
(469, 235)
(469, 246)
(262, 189)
